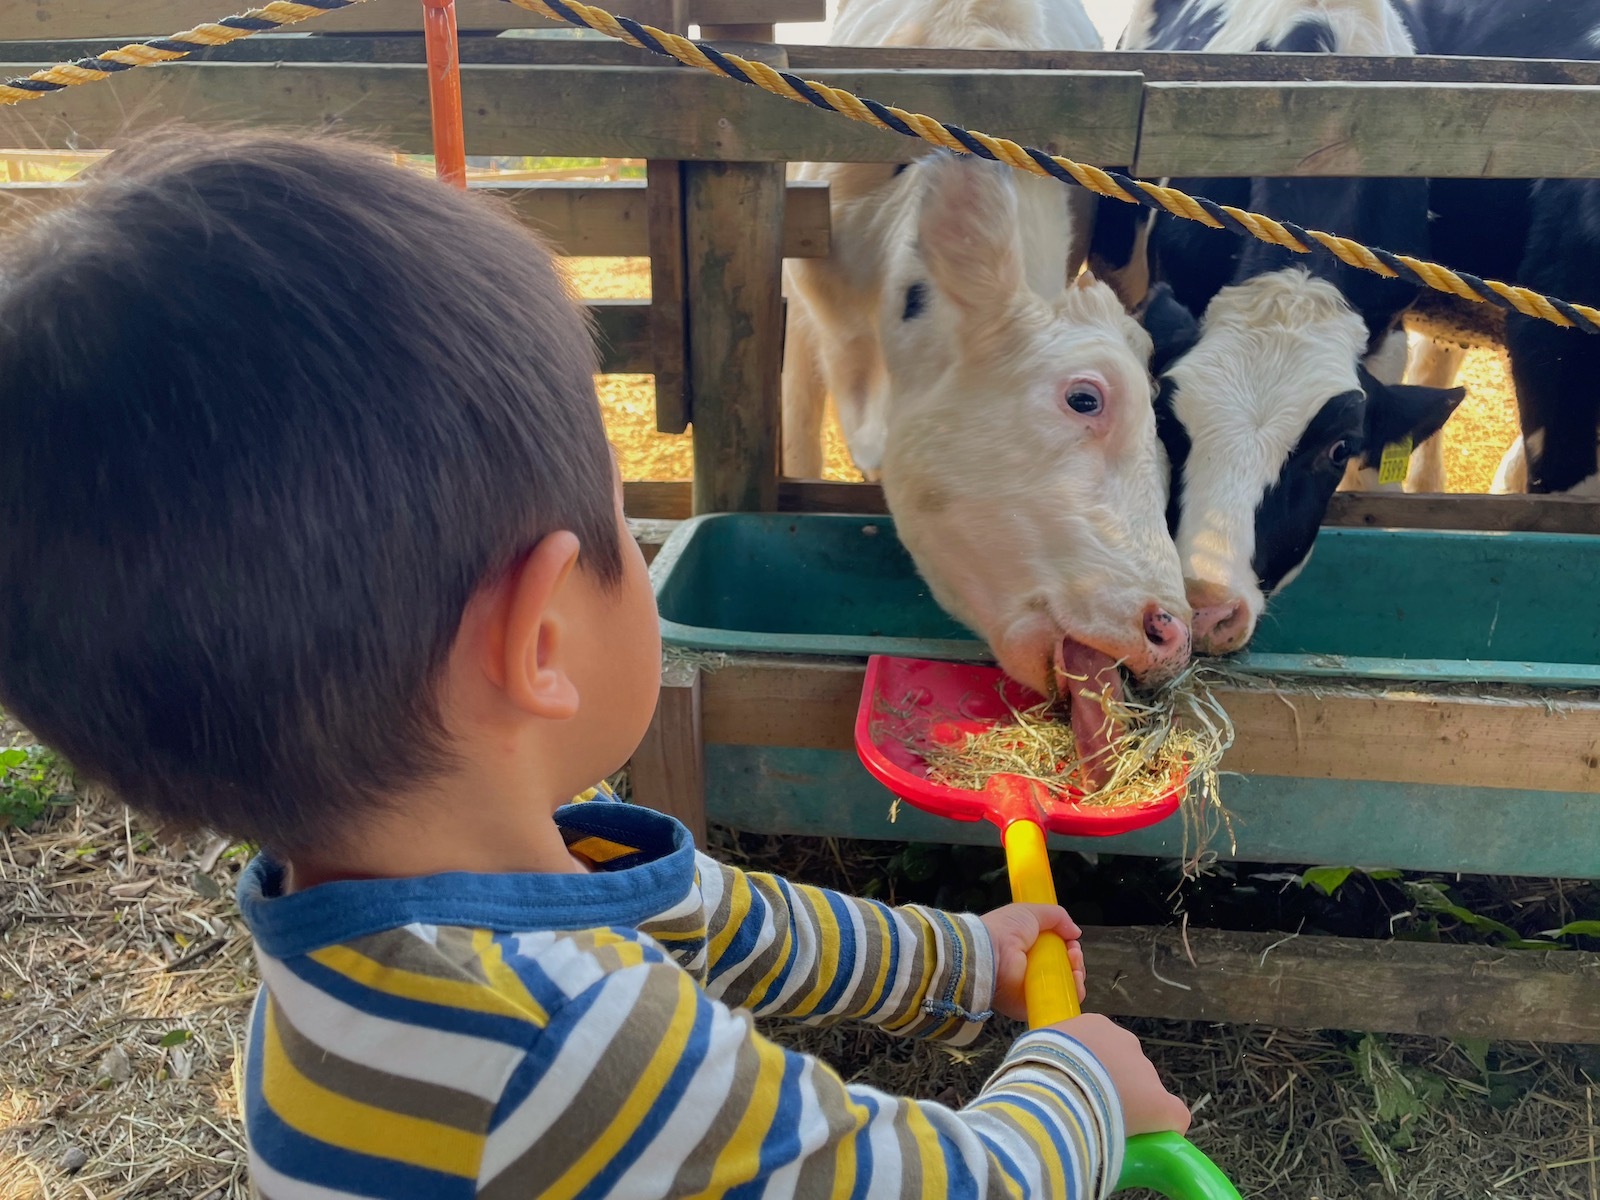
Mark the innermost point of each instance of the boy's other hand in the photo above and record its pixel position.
(1013, 930)
(1147, 1106)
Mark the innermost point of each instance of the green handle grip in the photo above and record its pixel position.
(1167, 1164)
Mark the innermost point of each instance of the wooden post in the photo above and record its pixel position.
(669, 331)
(668, 770)
(733, 221)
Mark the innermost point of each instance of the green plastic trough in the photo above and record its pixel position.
(1372, 603)
(1371, 606)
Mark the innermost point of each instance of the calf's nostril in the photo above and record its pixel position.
(1161, 628)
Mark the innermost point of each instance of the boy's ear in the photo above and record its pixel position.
(529, 661)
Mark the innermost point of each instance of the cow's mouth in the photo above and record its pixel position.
(1091, 682)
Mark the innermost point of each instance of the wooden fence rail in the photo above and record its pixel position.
(1107, 117)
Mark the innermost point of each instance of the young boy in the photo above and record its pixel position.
(312, 537)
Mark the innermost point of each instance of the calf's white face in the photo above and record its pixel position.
(1262, 410)
(1022, 464)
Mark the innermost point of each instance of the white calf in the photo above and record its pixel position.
(1021, 460)
(832, 341)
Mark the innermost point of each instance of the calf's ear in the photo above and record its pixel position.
(1396, 411)
(1172, 327)
(968, 234)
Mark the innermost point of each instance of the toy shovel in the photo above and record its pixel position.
(910, 703)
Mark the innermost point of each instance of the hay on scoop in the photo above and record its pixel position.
(1177, 732)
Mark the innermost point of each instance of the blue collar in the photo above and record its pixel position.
(645, 865)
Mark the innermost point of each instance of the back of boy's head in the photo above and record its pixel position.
(274, 410)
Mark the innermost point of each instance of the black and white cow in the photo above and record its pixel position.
(1544, 235)
(1292, 373)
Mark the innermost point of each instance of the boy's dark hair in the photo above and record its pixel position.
(274, 409)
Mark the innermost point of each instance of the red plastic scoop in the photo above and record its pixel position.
(909, 703)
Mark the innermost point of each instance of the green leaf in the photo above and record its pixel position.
(1326, 880)
(13, 757)
(1573, 929)
(1382, 876)
(1477, 1052)
(175, 1037)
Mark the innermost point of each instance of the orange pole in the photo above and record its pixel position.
(444, 90)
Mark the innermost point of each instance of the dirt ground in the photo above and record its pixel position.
(126, 980)
(1475, 439)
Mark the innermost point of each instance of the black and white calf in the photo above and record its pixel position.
(1292, 374)
(1543, 235)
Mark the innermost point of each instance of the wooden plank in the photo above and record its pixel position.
(614, 112)
(1375, 510)
(1495, 514)
(1369, 129)
(1170, 65)
(669, 303)
(1343, 983)
(732, 215)
(622, 332)
(614, 218)
(667, 771)
(603, 219)
(1418, 827)
(650, 535)
(1154, 65)
(148, 18)
(1551, 744)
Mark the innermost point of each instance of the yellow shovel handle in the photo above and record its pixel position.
(1051, 994)
(1160, 1162)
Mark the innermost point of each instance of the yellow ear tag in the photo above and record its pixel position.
(1396, 461)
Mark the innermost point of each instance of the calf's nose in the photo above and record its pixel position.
(1167, 635)
(1222, 628)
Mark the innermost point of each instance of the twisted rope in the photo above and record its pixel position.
(275, 15)
(1101, 182)
(1112, 184)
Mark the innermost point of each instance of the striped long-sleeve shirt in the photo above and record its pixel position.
(590, 1035)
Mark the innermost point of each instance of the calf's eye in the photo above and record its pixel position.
(1339, 454)
(1085, 397)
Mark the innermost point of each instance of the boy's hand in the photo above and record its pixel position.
(1013, 931)
(1147, 1106)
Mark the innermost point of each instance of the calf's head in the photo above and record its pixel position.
(1261, 408)
(1022, 463)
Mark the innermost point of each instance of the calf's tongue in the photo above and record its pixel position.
(1088, 678)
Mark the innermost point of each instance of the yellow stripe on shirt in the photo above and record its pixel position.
(826, 953)
(738, 910)
(451, 993)
(313, 1110)
(740, 1157)
(639, 1102)
(935, 1178)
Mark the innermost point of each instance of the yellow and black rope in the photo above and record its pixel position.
(269, 17)
(1104, 183)
(882, 116)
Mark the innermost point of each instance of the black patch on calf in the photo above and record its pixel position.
(1498, 29)
(1309, 37)
(1172, 328)
(1177, 443)
(1181, 25)
(1399, 411)
(1291, 510)
(916, 302)
(1557, 371)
